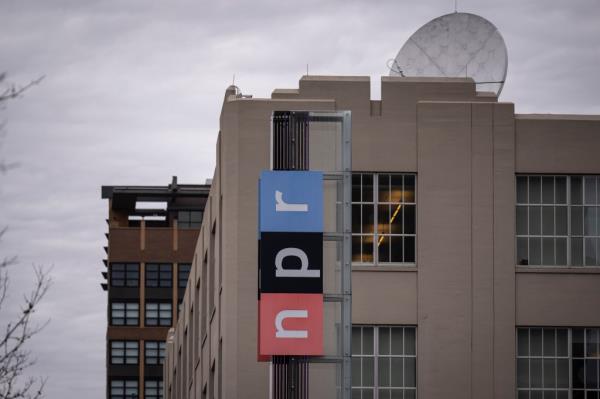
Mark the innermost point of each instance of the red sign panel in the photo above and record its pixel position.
(291, 324)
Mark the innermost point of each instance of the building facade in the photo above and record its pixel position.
(152, 232)
(476, 246)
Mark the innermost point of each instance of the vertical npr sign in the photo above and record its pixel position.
(290, 263)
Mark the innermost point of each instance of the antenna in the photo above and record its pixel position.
(455, 6)
(455, 45)
(233, 82)
(306, 69)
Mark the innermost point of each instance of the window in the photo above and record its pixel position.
(384, 362)
(183, 272)
(383, 218)
(556, 362)
(558, 220)
(123, 389)
(158, 313)
(124, 352)
(124, 274)
(153, 389)
(189, 219)
(124, 314)
(154, 352)
(159, 275)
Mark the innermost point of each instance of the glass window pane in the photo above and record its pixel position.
(590, 252)
(383, 219)
(356, 338)
(397, 341)
(561, 221)
(590, 189)
(535, 186)
(396, 219)
(356, 187)
(536, 373)
(384, 340)
(409, 219)
(548, 251)
(396, 249)
(576, 251)
(522, 220)
(548, 220)
(549, 373)
(383, 394)
(368, 219)
(356, 218)
(396, 188)
(384, 371)
(591, 373)
(562, 373)
(522, 255)
(410, 370)
(383, 248)
(522, 189)
(578, 373)
(561, 251)
(356, 249)
(367, 188)
(535, 342)
(562, 344)
(522, 373)
(548, 190)
(591, 342)
(409, 188)
(410, 341)
(576, 190)
(367, 371)
(578, 342)
(561, 190)
(384, 187)
(535, 251)
(577, 220)
(356, 372)
(589, 221)
(523, 342)
(397, 372)
(367, 248)
(409, 249)
(535, 220)
(367, 341)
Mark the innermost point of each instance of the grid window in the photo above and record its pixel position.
(384, 362)
(124, 314)
(558, 220)
(124, 274)
(183, 272)
(158, 313)
(159, 275)
(154, 352)
(383, 218)
(124, 352)
(153, 389)
(124, 389)
(558, 363)
(189, 219)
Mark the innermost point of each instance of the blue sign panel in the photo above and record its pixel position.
(291, 201)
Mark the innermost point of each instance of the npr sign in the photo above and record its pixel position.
(290, 263)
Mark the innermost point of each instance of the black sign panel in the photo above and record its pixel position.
(291, 262)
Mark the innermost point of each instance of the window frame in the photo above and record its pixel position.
(159, 388)
(375, 203)
(124, 394)
(128, 281)
(182, 283)
(523, 241)
(125, 355)
(376, 356)
(190, 219)
(126, 309)
(160, 321)
(162, 271)
(160, 348)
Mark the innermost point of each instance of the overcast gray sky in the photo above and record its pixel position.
(132, 95)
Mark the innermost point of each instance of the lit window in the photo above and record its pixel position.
(124, 274)
(124, 352)
(558, 220)
(558, 362)
(383, 218)
(123, 389)
(154, 352)
(189, 219)
(124, 314)
(159, 275)
(153, 389)
(384, 362)
(183, 272)
(158, 313)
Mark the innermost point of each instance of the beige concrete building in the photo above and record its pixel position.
(476, 246)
